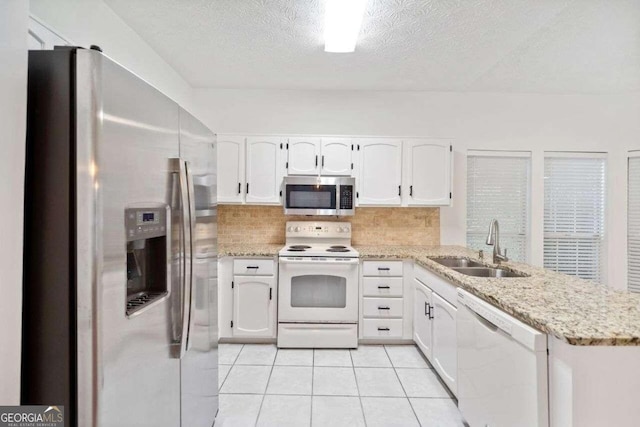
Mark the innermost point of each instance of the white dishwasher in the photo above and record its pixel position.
(502, 367)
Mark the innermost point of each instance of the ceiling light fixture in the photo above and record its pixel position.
(342, 22)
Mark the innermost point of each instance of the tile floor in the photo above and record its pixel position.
(372, 386)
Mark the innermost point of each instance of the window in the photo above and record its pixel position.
(574, 204)
(633, 224)
(498, 187)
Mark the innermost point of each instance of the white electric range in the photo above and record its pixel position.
(318, 286)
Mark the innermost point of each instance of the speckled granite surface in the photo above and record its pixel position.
(249, 249)
(574, 310)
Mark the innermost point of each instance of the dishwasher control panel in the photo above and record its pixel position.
(481, 309)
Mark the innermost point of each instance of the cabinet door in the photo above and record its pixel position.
(231, 184)
(336, 156)
(264, 170)
(380, 172)
(421, 318)
(427, 172)
(445, 353)
(304, 156)
(254, 306)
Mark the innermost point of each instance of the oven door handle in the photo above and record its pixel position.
(320, 261)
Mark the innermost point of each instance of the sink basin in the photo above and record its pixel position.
(488, 272)
(456, 262)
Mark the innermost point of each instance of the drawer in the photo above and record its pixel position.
(382, 287)
(382, 307)
(382, 328)
(253, 267)
(382, 268)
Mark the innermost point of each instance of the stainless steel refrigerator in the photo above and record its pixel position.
(120, 256)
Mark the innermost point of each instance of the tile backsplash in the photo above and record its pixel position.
(371, 226)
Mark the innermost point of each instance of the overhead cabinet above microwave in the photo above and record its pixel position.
(387, 171)
(319, 156)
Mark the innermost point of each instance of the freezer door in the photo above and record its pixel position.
(199, 366)
(127, 132)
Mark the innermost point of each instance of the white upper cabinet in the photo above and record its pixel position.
(336, 157)
(427, 172)
(379, 172)
(265, 170)
(231, 183)
(304, 156)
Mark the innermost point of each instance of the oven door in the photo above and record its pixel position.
(318, 290)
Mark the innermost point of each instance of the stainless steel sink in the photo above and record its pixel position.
(488, 272)
(456, 262)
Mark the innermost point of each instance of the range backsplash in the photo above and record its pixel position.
(371, 226)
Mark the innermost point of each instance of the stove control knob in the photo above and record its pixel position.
(289, 228)
(339, 229)
(346, 229)
(297, 230)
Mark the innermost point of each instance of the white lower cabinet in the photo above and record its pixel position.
(434, 324)
(382, 304)
(444, 353)
(254, 313)
(422, 318)
(248, 295)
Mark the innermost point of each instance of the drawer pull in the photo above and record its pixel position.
(383, 269)
(384, 287)
(383, 329)
(384, 308)
(252, 267)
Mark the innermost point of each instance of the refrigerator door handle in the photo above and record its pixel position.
(190, 256)
(181, 334)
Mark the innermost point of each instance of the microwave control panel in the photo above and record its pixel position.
(346, 197)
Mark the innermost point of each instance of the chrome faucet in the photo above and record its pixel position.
(493, 239)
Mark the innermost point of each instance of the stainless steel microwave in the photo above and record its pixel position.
(319, 195)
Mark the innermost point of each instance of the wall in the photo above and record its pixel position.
(370, 226)
(531, 122)
(92, 22)
(13, 87)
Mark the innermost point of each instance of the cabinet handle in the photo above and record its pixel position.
(322, 161)
(383, 329)
(426, 309)
(247, 188)
(270, 293)
(252, 267)
(399, 190)
(316, 160)
(384, 308)
(384, 268)
(239, 188)
(411, 190)
(430, 312)
(384, 287)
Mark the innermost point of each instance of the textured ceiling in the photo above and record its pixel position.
(444, 45)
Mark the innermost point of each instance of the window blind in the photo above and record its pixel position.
(633, 225)
(574, 210)
(498, 187)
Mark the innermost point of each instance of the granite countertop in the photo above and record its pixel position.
(573, 310)
(249, 249)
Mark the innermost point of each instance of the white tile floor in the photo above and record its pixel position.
(371, 386)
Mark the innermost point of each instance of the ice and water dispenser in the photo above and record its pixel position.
(147, 239)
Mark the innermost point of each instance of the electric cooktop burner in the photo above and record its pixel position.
(299, 247)
(296, 249)
(337, 247)
(343, 249)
